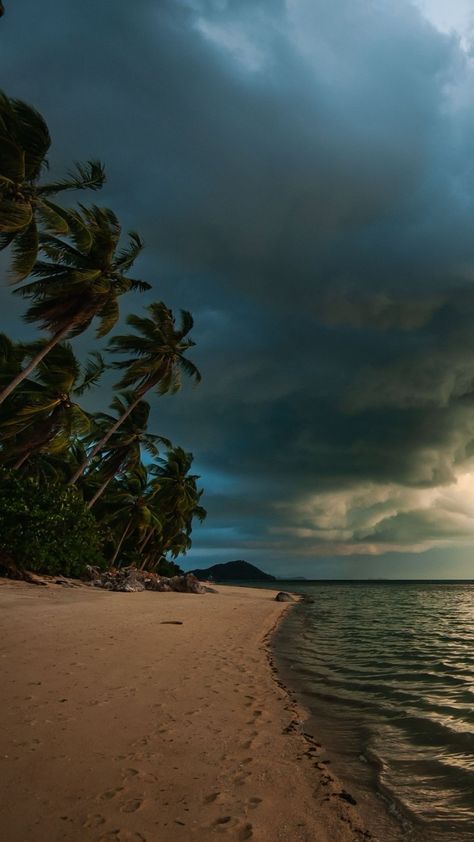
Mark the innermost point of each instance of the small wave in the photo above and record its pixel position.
(390, 670)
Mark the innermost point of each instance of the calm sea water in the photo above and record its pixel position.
(387, 671)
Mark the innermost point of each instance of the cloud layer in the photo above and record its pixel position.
(303, 175)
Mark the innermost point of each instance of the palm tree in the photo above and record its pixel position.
(158, 359)
(48, 418)
(176, 500)
(130, 509)
(83, 279)
(124, 448)
(24, 202)
(12, 355)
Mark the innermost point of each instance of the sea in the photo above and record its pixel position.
(386, 671)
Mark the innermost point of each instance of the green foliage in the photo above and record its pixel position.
(168, 568)
(47, 529)
(156, 351)
(25, 210)
(73, 266)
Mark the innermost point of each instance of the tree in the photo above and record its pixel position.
(129, 508)
(46, 528)
(24, 202)
(48, 419)
(177, 502)
(124, 449)
(157, 362)
(82, 279)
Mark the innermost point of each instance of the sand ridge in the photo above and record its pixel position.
(119, 725)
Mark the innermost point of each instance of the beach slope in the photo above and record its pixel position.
(153, 716)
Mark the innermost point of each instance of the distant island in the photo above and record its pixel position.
(234, 571)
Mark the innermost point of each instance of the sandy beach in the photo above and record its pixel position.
(118, 724)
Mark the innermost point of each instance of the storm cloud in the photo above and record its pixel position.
(303, 175)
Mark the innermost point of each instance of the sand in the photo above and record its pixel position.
(116, 725)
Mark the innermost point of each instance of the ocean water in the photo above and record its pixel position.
(387, 671)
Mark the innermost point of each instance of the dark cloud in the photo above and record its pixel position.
(303, 175)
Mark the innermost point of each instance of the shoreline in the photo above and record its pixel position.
(156, 717)
(377, 811)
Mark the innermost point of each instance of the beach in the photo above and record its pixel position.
(157, 717)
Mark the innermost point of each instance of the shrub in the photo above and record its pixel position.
(168, 568)
(47, 529)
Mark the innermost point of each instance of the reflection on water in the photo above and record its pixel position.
(387, 670)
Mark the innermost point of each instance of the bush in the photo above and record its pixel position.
(47, 529)
(168, 568)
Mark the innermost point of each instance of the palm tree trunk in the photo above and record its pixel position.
(99, 491)
(143, 545)
(119, 545)
(23, 374)
(100, 444)
(21, 460)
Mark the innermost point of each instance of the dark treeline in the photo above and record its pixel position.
(75, 486)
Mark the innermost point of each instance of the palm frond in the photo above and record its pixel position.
(127, 256)
(50, 215)
(15, 214)
(108, 316)
(92, 372)
(32, 133)
(190, 369)
(12, 160)
(187, 323)
(88, 176)
(24, 254)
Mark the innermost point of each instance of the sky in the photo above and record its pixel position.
(302, 173)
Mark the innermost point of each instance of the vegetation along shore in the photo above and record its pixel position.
(79, 487)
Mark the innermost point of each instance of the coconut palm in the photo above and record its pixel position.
(156, 363)
(124, 448)
(49, 418)
(176, 502)
(12, 355)
(128, 508)
(24, 202)
(83, 279)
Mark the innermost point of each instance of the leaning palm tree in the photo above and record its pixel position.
(48, 418)
(177, 500)
(123, 451)
(24, 201)
(129, 509)
(157, 360)
(83, 279)
(12, 356)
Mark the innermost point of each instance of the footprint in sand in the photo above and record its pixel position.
(110, 793)
(254, 802)
(213, 797)
(130, 773)
(94, 821)
(241, 779)
(131, 806)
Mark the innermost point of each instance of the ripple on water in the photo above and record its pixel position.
(387, 670)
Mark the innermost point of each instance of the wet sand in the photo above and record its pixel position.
(119, 725)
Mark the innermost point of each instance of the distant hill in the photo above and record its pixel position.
(234, 571)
